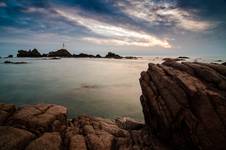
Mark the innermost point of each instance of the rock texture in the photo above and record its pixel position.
(184, 104)
(45, 127)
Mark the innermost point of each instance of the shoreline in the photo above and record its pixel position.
(183, 117)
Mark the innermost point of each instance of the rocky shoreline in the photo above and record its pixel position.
(184, 106)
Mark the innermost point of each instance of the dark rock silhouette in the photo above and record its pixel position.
(130, 57)
(60, 53)
(183, 57)
(224, 63)
(17, 62)
(44, 55)
(83, 55)
(113, 55)
(33, 53)
(173, 59)
(98, 56)
(10, 56)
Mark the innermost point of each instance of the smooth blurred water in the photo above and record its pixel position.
(100, 87)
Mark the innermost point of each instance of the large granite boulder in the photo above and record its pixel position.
(39, 118)
(48, 141)
(14, 138)
(5, 111)
(97, 133)
(184, 104)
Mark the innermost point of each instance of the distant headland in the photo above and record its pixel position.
(65, 53)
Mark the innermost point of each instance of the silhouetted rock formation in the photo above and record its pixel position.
(60, 53)
(183, 57)
(113, 55)
(83, 55)
(130, 57)
(184, 104)
(10, 56)
(224, 63)
(173, 59)
(33, 53)
(98, 56)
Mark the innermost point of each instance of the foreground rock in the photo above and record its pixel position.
(184, 104)
(43, 127)
(14, 138)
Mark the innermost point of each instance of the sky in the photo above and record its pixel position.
(127, 27)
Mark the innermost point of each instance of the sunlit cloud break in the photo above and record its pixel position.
(115, 35)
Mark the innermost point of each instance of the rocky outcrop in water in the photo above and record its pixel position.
(13, 62)
(113, 55)
(30, 53)
(184, 104)
(60, 53)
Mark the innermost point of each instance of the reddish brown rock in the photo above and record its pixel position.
(184, 104)
(5, 111)
(14, 138)
(39, 118)
(48, 141)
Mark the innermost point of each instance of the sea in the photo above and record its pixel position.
(86, 86)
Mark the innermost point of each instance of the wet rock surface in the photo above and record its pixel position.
(183, 105)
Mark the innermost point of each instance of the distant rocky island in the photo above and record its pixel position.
(66, 53)
(184, 107)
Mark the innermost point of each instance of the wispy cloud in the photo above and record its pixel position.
(165, 13)
(116, 35)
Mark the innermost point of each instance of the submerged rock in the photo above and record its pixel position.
(17, 62)
(183, 57)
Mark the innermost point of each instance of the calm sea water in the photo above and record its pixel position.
(99, 87)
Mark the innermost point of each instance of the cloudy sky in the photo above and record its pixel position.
(128, 27)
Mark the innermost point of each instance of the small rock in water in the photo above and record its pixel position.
(11, 62)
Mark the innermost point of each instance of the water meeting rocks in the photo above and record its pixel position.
(184, 107)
